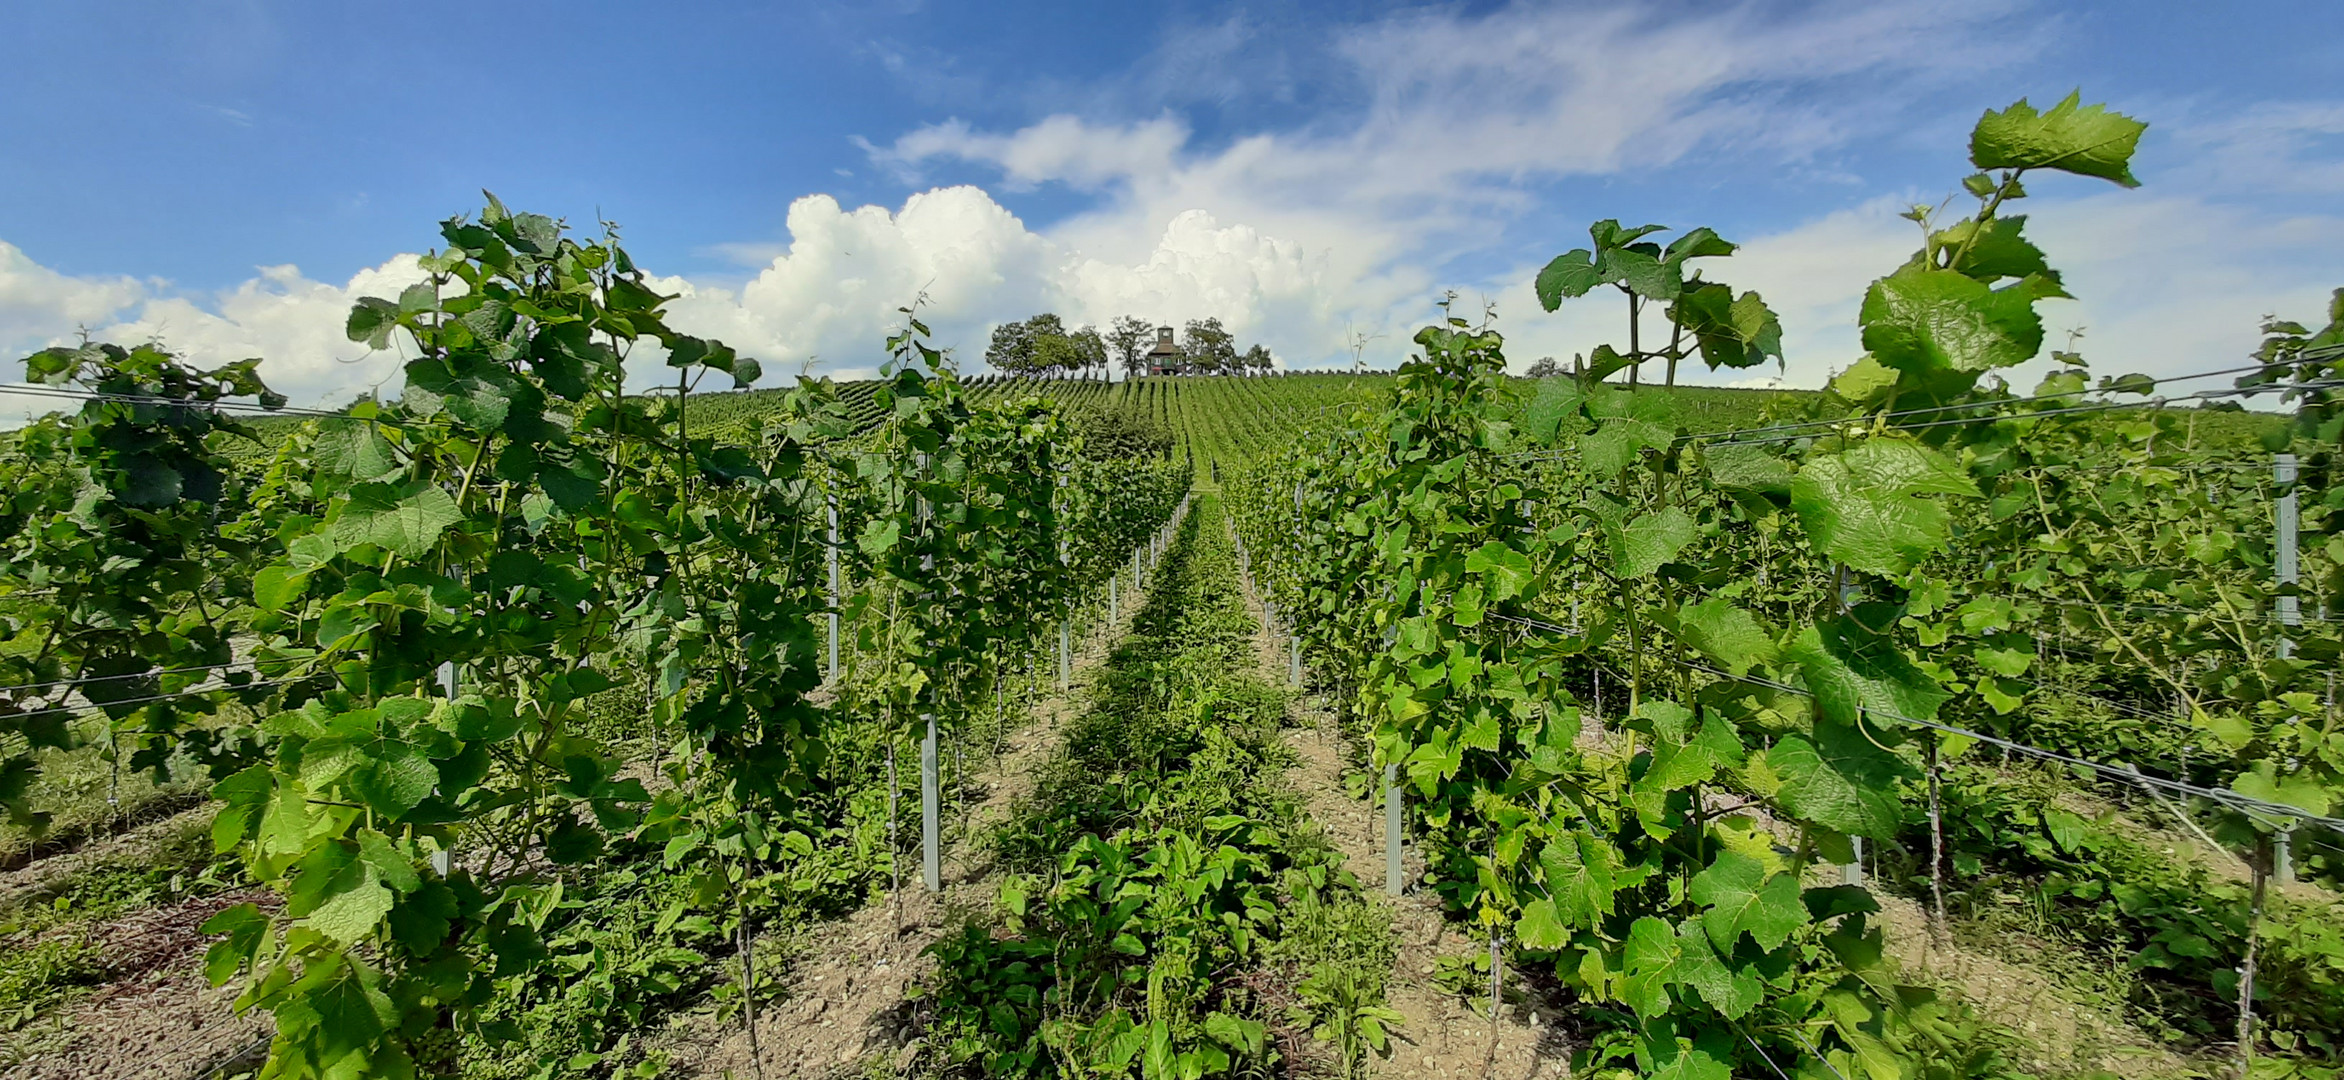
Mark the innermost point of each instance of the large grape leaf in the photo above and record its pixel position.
(1504, 571)
(1615, 444)
(479, 397)
(1726, 634)
(1840, 779)
(1658, 958)
(2087, 140)
(354, 448)
(1852, 670)
(1572, 273)
(1580, 876)
(341, 894)
(1555, 402)
(1926, 322)
(405, 521)
(1869, 507)
(1639, 547)
(1675, 1062)
(1743, 898)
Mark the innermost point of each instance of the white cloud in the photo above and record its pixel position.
(292, 323)
(832, 297)
(38, 304)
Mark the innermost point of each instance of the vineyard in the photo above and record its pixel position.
(1435, 722)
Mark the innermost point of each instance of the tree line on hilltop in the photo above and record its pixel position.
(1044, 346)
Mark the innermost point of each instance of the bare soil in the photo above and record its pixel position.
(156, 1016)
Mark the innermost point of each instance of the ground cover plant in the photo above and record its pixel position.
(1170, 909)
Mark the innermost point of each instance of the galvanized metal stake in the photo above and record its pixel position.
(1294, 661)
(1392, 830)
(832, 500)
(1065, 661)
(1114, 602)
(931, 851)
(1853, 873)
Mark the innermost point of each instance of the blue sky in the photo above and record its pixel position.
(228, 176)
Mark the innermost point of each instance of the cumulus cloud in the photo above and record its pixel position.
(828, 300)
(38, 303)
(293, 323)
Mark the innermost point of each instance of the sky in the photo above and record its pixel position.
(227, 177)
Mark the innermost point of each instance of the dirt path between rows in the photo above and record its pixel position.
(844, 1010)
(1441, 1036)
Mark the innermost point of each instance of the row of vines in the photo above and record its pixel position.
(383, 637)
(1638, 689)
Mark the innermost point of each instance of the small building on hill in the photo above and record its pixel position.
(1166, 358)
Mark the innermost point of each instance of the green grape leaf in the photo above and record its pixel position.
(1852, 671)
(278, 587)
(1680, 759)
(372, 320)
(1701, 242)
(1675, 1062)
(1505, 571)
(1651, 963)
(352, 1013)
(1639, 548)
(1580, 876)
(1840, 779)
(1731, 991)
(2302, 789)
(1658, 958)
(247, 932)
(1615, 444)
(1869, 507)
(1743, 898)
(1997, 251)
(1572, 273)
(406, 521)
(1540, 927)
(1555, 401)
(1929, 322)
(1644, 274)
(421, 919)
(1865, 381)
(1748, 468)
(353, 448)
(1726, 634)
(339, 894)
(2087, 140)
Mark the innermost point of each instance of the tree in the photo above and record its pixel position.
(1012, 349)
(1130, 338)
(1037, 346)
(1209, 349)
(1090, 350)
(1257, 359)
(1543, 367)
